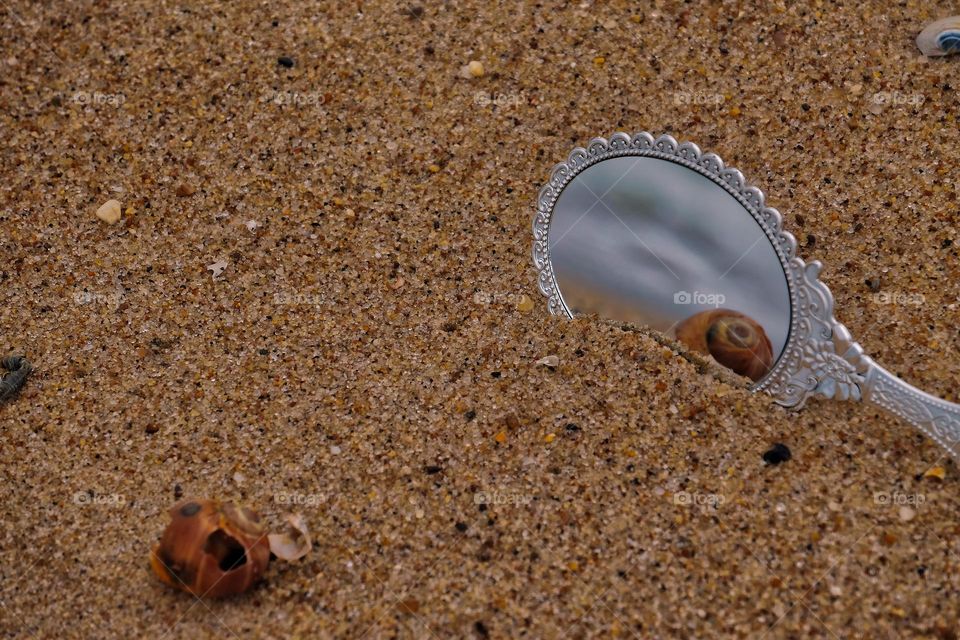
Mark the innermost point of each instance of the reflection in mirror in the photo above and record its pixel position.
(653, 242)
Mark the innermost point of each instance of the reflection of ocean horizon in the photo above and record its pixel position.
(629, 234)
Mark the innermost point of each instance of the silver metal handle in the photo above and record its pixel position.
(832, 365)
(936, 418)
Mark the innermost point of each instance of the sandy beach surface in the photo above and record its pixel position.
(314, 302)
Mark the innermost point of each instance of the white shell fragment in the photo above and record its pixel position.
(217, 267)
(940, 38)
(549, 361)
(294, 543)
(109, 212)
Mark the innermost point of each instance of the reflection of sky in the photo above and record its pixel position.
(628, 233)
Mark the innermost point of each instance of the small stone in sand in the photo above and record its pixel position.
(475, 68)
(907, 514)
(285, 62)
(525, 304)
(109, 211)
(938, 473)
(777, 454)
(185, 190)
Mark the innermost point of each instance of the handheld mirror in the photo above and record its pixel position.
(658, 233)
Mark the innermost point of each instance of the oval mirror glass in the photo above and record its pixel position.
(650, 241)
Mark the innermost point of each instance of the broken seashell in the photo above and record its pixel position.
(940, 38)
(217, 267)
(294, 543)
(549, 361)
(211, 549)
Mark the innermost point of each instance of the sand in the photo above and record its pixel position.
(361, 357)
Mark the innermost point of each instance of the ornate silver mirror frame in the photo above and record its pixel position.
(820, 357)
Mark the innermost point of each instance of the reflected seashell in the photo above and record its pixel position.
(734, 340)
(940, 38)
(211, 549)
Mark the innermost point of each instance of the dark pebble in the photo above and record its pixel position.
(285, 61)
(177, 491)
(481, 629)
(461, 526)
(470, 415)
(432, 469)
(777, 454)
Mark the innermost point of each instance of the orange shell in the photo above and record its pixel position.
(734, 340)
(211, 549)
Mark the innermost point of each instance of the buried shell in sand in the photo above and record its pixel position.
(18, 368)
(213, 549)
(940, 38)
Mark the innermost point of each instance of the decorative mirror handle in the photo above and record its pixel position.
(936, 418)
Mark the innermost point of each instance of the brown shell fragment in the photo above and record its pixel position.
(211, 549)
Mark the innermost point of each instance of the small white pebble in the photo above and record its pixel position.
(335, 450)
(836, 591)
(472, 70)
(907, 514)
(549, 361)
(238, 478)
(217, 267)
(110, 211)
(252, 225)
